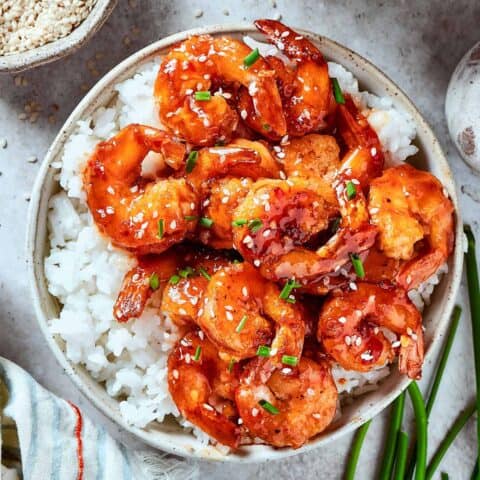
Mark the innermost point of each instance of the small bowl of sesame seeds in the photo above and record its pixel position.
(34, 32)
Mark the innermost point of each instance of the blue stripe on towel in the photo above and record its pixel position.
(57, 441)
(127, 469)
(31, 459)
(101, 454)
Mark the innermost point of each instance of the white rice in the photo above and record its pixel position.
(84, 271)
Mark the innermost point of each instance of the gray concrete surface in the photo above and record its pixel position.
(416, 43)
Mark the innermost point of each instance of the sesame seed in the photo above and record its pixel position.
(229, 316)
(254, 412)
(182, 311)
(348, 340)
(245, 291)
(353, 286)
(256, 262)
(175, 374)
(286, 370)
(396, 344)
(317, 416)
(342, 320)
(208, 407)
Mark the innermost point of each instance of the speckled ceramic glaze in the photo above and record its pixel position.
(52, 51)
(462, 107)
(169, 436)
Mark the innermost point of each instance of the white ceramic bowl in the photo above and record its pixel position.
(169, 436)
(16, 62)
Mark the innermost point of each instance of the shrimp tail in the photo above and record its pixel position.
(410, 359)
(293, 45)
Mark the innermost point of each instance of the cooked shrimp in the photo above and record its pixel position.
(138, 215)
(241, 158)
(187, 272)
(241, 311)
(206, 64)
(415, 220)
(304, 401)
(138, 286)
(307, 93)
(224, 197)
(312, 156)
(182, 297)
(349, 329)
(202, 386)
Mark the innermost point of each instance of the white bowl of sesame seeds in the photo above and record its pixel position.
(169, 435)
(34, 32)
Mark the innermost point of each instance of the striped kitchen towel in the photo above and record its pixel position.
(43, 437)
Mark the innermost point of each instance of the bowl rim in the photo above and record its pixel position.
(51, 51)
(454, 274)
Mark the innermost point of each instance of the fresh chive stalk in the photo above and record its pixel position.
(203, 96)
(191, 161)
(392, 436)
(251, 58)
(231, 364)
(449, 439)
(186, 272)
(337, 92)
(174, 279)
(204, 273)
(474, 297)
(401, 456)
(239, 222)
(421, 427)
(161, 228)
(198, 353)
(263, 351)
(190, 218)
(241, 324)
(444, 476)
(290, 360)
(269, 407)
(357, 265)
(351, 190)
(288, 288)
(206, 222)
(255, 225)
(355, 451)
(154, 281)
(457, 311)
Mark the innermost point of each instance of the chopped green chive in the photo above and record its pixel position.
(266, 127)
(198, 353)
(255, 225)
(206, 222)
(203, 96)
(237, 261)
(190, 218)
(154, 281)
(351, 190)
(191, 161)
(174, 279)
(231, 364)
(186, 272)
(287, 290)
(239, 222)
(337, 92)
(251, 58)
(269, 407)
(204, 273)
(160, 228)
(357, 265)
(336, 224)
(241, 324)
(263, 351)
(290, 360)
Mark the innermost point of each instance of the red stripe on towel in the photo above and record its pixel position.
(78, 436)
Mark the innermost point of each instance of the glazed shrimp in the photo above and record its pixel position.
(138, 215)
(311, 156)
(241, 311)
(304, 401)
(221, 196)
(349, 322)
(415, 220)
(206, 64)
(277, 220)
(202, 386)
(180, 277)
(241, 158)
(137, 284)
(306, 91)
